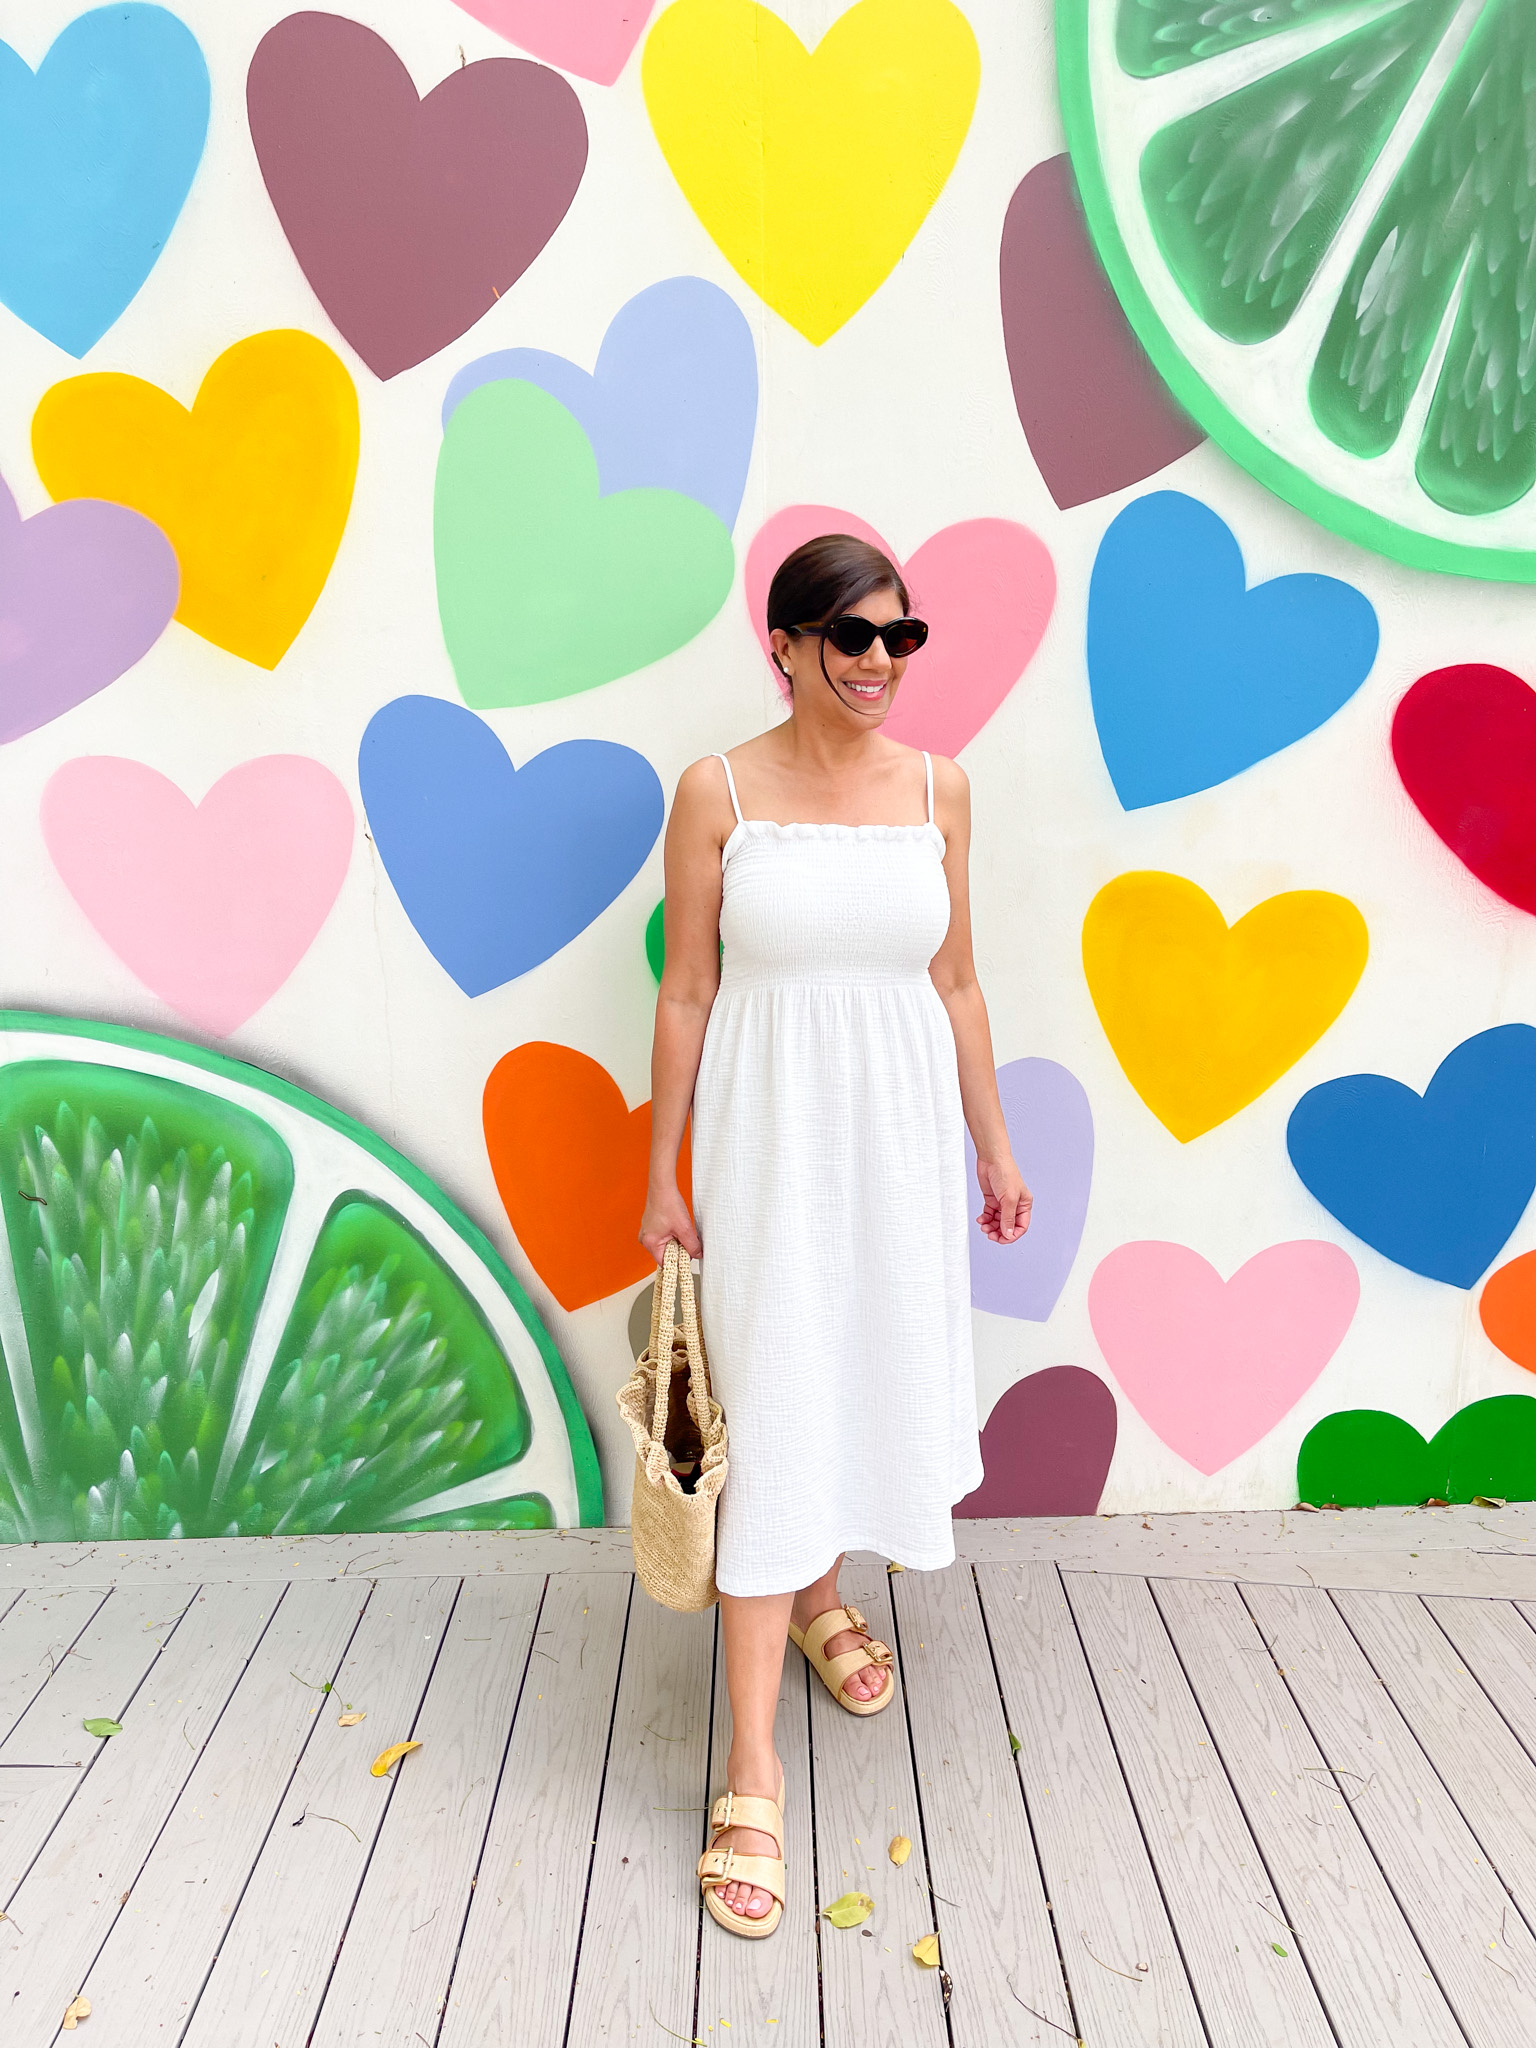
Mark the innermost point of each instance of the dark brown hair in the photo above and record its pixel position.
(825, 577)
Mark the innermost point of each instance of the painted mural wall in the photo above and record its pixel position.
(401, 414)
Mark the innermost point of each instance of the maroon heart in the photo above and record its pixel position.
(1464, 740)
(1095, 413)
(410, 217)
(1046, 1447)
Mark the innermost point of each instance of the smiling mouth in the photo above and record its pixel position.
(864, 689)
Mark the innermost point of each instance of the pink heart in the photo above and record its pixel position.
(1212, 1365)
(211, 905)
(986, 588)
(593, 38)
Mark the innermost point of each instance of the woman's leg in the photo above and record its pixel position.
(821, 1598)
(755, 1631)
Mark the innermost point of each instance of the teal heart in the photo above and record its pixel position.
(544, 586)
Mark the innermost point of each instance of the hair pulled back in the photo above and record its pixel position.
(826, 577)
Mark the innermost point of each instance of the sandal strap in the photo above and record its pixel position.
(838, 1670)
(747, 1810)
(838, 1621)
(729, 1866)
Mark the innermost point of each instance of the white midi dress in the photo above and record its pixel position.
(831, 1195)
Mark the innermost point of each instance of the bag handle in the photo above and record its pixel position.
(676, 1279)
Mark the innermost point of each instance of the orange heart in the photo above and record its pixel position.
(1508, 1310)
(571, 1163)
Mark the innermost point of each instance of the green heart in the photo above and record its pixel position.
(1365, 1458)
(544, 587)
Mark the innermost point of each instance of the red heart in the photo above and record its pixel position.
(571, 1163)
(1047, 1447)
(410, 218)
(1464, 740)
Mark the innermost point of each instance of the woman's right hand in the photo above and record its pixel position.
(666, 1216)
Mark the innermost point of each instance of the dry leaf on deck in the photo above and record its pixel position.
(849, 1910)
(894, 1568)
(926, 1951)
(392, 1755)
(900, 1850)
(1486, 1500)
(350, 1720)
(77, 2009)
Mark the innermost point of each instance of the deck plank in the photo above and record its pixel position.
(146, 1979)
(97, 1676)
(31, 1802)
(512, 1984)
(1212, 1873)
(391, 1979)
(69, 1899)
(639, 1946)
(37, 1631)
(873, 1994)
(1497, 1642)
(1122, 1962)
(1369, 1970)
(1470, 1932)
(273, 1967)
(994, 1926)
(1482, 1766)
(772, 1981)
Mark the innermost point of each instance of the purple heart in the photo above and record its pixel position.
(410, 217)
(1046, 1448)
(1051, 1129)
(86, 589)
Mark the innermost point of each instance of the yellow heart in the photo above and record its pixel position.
(811, 170)
(1202, 1018)
(251, 487)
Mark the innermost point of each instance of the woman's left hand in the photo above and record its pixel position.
(1006, 1201)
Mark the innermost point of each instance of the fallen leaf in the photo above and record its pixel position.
(1486, 1500)
(77, 2009)
(1013, 1742)
(849, 1910)
(895, 1568)
(1435, 1501)
(1279, 1951)
(349, 1720)
(392, 1755)
(1306, 1507)
(102, 1728)
(926, 1951)
(901, 1849)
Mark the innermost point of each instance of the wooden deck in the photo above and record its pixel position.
(1172, 1782)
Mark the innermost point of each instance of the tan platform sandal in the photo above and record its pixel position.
(729, 1866)
(835, 1671)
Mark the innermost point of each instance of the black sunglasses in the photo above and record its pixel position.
(852, 635)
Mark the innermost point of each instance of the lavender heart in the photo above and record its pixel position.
(1051, 1129)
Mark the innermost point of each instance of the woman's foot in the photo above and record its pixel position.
(870, 1680)
(750, 1901)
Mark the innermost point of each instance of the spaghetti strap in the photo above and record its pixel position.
(928, 766)
(730, 783)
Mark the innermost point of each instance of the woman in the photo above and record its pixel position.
(828, 1055)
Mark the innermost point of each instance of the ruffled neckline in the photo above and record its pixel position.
(767, 826)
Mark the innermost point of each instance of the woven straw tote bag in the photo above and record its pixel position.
(672, 1527)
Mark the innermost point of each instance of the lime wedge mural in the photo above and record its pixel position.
(226, 1309)
(1319, 217)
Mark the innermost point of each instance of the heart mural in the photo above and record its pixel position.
(86, 590)
(499, 867)
(550, 1112)
(1464, 740)
(409, 217)
(546, 588)
(1051, 1128)
(672, 403)
(593, 38)
(97, 153)
(1434, 1183)
(1047, 1447)
(251, 487)
(771, 142)
(1095, 413)
(987, 588)
(1211, 1365)
(1194, 676)
(1366, 1458)
(212, 905)
(1204, 1018)
(1507, 1310)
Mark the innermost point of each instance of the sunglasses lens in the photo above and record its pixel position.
(904, 637)
(851, 635)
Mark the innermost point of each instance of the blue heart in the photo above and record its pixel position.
(1194, 676)
(672, 403)
(499, 867)
(1436, 1183)
(97, 152)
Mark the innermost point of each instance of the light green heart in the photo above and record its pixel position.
(545, 587)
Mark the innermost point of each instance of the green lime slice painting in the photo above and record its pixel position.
(1320, 217)
(226, 1309)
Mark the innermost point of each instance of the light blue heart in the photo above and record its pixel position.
(97, 152)
(672, 403)
(1194, 676)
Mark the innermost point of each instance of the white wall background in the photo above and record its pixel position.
(906, 417)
